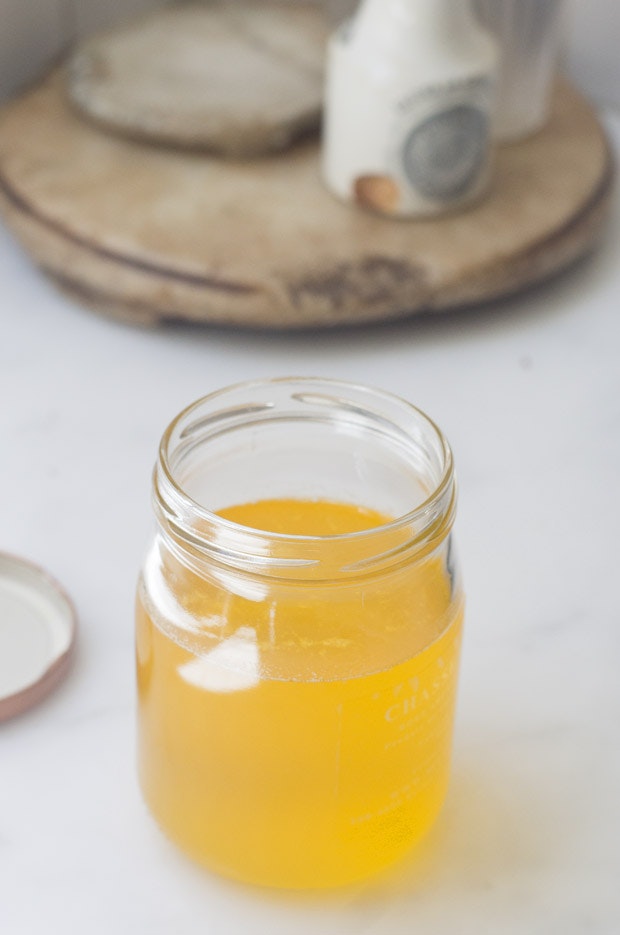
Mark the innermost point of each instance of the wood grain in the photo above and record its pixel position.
(239, 79)
(146, 234)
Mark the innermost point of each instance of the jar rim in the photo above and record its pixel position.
(185, 502)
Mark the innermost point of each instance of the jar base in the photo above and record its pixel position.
(331, 874)
(304, 884)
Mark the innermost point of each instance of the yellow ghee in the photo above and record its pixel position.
(299, 738)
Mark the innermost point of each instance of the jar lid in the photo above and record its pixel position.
(38, 626)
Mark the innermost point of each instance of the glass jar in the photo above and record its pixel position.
(530, 35)
(298, 626)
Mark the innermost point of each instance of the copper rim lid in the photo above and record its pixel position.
(37, 634)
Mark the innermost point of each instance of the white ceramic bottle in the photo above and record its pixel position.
(409, 101)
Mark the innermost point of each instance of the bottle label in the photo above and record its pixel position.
(443, 156)
(441, 140)
(395, 739)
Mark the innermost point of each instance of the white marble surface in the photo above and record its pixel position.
(529, 394)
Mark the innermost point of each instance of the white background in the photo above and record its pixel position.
(32, 32)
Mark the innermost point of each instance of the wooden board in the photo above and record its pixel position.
(239, 79)
(147, 234)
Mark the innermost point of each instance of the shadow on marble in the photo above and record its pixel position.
(479, 842)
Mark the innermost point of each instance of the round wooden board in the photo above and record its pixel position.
(240, 79)
(148, 234)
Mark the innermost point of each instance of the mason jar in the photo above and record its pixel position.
(298, 626)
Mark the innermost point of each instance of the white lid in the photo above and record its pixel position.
(37, 634)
